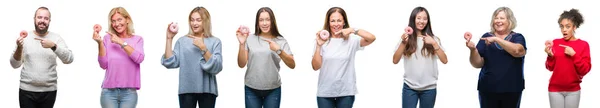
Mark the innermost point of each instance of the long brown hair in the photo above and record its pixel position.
(274, 31)
(331, 11)
(411, 46)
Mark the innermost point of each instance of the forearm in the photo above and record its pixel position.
(168, 48)
(207, 55)
(101, 49)
(317, 59)
(288, 59)
(399, 52)
(368, 38)
(242, 56)
(516, 50)
(18, 53)
(129, 50)
(15, 61)
(476, 59)
(440, 54)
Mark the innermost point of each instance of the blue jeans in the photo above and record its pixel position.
(425, 98)
(262, 98)
(500, 100)
(335, 102)
(204, 100)
(118, 98)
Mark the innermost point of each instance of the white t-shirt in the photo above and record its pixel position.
(337, 75)
(421, 72)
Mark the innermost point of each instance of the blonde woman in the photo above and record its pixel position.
(198, 57)
(120, 53)
(500, 54)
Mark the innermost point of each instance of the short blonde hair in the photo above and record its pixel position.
(205, 16)
(125, 14)
(509, 15)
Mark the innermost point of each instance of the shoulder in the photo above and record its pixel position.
(487, 34)
(53, 34)
(138, 38)
(214, 39)
(281, 38)
(515, 34)
(557, 40)
(583, 42)
(355, 37)
(252, 36)
(437, 38)
(182, 38)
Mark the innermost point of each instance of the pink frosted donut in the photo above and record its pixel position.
(549, 43)
(408, 30)
(324, 34)
(23, 34)
(97, 28)
(468, 35)
(174, 28)
(244, 30)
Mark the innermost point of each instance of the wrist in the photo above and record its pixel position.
(53, 47)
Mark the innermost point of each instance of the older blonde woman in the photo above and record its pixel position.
(500, 54)
(120, 53)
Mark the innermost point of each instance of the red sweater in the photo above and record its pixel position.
(568, 70)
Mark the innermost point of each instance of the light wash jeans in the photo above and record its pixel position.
(119, 98)
(564, 99)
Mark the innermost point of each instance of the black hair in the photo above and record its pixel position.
(572, 15)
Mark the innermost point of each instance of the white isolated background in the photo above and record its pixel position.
(379, 81)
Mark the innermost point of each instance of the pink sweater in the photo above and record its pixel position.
(122, 70)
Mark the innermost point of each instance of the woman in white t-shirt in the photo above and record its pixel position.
(421, 50)
(335, 57)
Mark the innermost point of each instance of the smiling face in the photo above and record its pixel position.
(119, 23)
(42, 21)
(567, 29)
(421, 20)
(264, 22)
(336, 22)
(501, 22)
(196, 23)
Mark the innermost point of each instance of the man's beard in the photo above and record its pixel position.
(40, 31)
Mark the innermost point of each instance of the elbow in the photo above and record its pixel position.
(445, 62)
(15, 66)
(475, 65)
(103, 67)
(395, 61)
(373, 40)
(241, 65)
(292, 66)
(68, 61)
(216, 71)
(139, 60)
(315, 68)
(518, 53)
